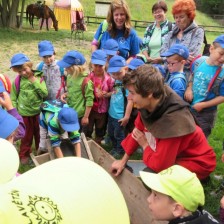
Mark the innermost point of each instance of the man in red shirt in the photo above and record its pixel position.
(164, 128)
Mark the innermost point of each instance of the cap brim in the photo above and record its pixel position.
(114, 69)
(110, 52)
(18, 63)
(152, 180)
(70, 127)
(46, 53)
(167, 54)
(9, 123)
(131, 67)
(63, 64)
(98, 62)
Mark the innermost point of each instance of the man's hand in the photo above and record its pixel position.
(139, 136)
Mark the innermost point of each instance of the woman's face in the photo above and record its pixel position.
(182, 20)
(119, 17)
(159, 15)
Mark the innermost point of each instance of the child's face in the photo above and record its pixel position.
(69, 70)
(175, 65)
(161, 206)
(216, 56)
(48, 59)
(119, 75)
(98, 69)
(25, 72)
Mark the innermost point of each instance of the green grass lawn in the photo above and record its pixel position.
(26, 40)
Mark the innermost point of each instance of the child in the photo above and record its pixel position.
(27, 94)
(177, 196)
(52, 73)
(176, 59)
(118, 114)
(205, 90)
(59, 123)
(80, 89)
(103, 89)
(135, 63)
(11, 123)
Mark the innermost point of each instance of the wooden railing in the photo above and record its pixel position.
(143, 24)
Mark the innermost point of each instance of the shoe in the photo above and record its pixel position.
(24, 160)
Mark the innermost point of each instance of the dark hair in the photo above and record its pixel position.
(146, 79)
(160, 5)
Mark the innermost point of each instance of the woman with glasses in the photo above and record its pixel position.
(186, 31)
(155, 33)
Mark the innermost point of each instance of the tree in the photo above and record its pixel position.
(9, 13)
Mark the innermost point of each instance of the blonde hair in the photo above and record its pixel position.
(78, 69)
(118, 4)
(25, 65)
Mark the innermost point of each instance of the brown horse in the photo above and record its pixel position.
(41, 11)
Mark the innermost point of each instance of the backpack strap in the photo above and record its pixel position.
(17, 83)
(125, 98)
(103, 30)
(177, 76)
(40, 66)
(170, 26)
(6, 82)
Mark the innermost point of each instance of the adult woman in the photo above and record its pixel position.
(118, 28)
(156, 33)
(186, 31)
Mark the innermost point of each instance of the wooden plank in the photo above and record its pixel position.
(134, 192)
(86, 145)
(38, 160)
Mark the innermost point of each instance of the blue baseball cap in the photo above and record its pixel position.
(135, 63)
(68, 119)
(220, 40)
(179, 49)
(19, 59)
(99, 57)
(116, 63)
(111, 47)
(71, 58)
(2, 88)
(8, 124)
(45, 48)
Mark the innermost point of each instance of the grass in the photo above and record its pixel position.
(26, 40)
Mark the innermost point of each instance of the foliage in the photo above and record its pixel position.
(212, 6)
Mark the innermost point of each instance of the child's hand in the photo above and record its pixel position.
(63, 97)
(123, 122)
(85, 121)
(188, 95)
(5, 101)
(222, 202)
(32, 78)
(222, 158)
(198, 106)
(139, 136)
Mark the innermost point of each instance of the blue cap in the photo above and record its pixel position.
(161, 69)
(68, 119)
(71, 58)
(220, 40)
(111, 47)
(99, 57)
(2, 88)
(116, 63)
(179, 49)
(135, 63)
(8, 124)
(45, 48)
(19, 59)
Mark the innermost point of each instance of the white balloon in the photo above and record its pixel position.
(9, 161)
(69, 190)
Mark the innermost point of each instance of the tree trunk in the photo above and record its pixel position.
(21, 15)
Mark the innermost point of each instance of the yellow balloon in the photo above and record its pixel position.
(9, 161)
(70, 190)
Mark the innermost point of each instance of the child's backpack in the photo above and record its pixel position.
(52, 105)
(6, 82)
(103, 30)
(63, 79)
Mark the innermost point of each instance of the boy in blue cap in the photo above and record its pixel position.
(176, 58)
(27, 94)
(59, 124)
(177, 196)
(205, 90)
(119, 113)
(52, 73)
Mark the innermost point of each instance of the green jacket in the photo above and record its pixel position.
(76, 100)
(30, 95)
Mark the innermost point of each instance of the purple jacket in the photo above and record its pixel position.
(21, 129)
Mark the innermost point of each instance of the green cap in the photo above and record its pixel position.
(179, 183)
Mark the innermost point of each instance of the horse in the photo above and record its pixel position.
(41, 11)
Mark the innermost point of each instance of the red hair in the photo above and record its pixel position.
(187, 6)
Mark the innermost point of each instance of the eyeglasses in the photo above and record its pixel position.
(47, 56)
(158, 12)
(172, 63)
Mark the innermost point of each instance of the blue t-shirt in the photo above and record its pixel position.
(177, 81)
(127, 46)
(203, 75)
(116, 108)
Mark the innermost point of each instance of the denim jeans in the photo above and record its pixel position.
(116, 134)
